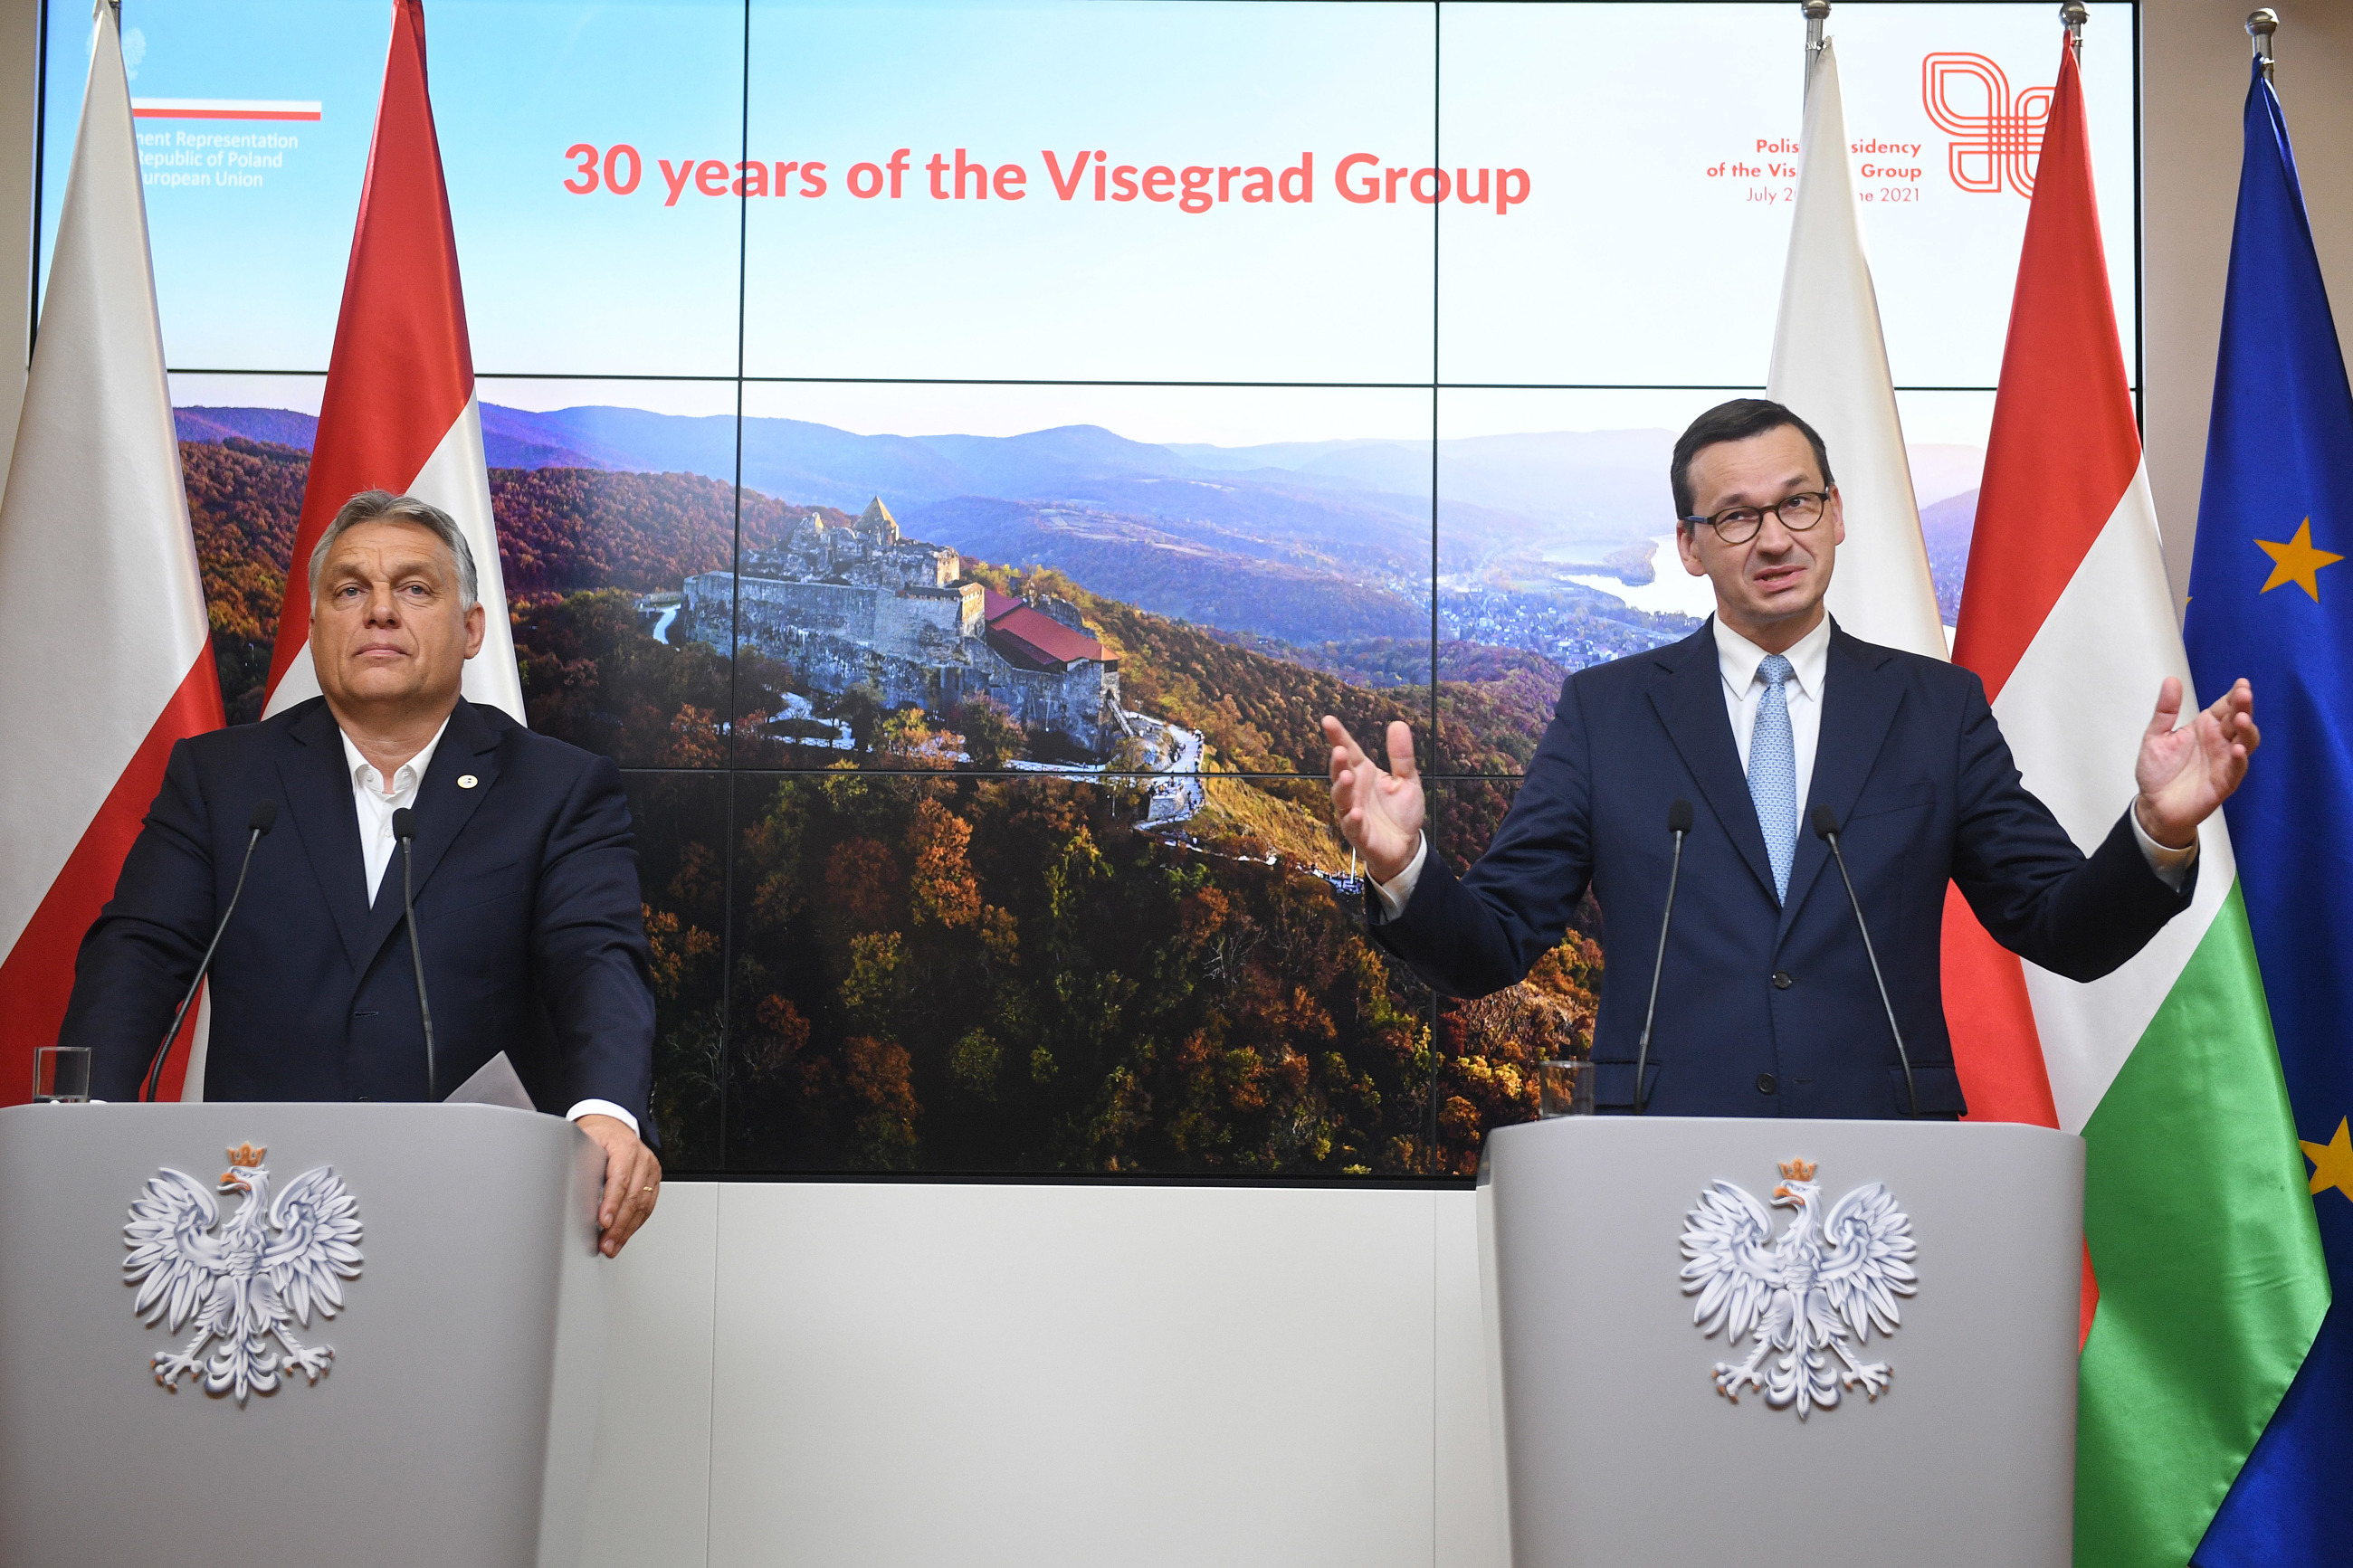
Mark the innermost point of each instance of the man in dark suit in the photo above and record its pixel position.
(1766, 713)
(526, 881)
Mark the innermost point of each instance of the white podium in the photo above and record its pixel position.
(1621, 1450)
(454, 1423)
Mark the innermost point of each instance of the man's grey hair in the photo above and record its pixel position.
(383, 506)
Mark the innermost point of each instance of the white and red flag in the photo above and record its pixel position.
(107, 654)
(1829, 368)
(398, 413)
(2204, 1276)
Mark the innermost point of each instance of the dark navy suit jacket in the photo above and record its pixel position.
(527, 910)
(1768, 1010)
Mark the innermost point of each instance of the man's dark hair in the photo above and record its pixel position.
(1736, 421)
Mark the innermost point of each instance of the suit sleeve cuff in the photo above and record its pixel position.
(1397, 890)
(602, 1108)
(2171, 866)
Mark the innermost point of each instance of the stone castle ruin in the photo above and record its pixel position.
(860, 605)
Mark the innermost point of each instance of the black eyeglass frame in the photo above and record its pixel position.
(1715, 522)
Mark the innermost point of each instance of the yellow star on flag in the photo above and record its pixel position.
(2332, 1162)
(2296, 562)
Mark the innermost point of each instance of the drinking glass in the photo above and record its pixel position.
(61, 1074)
(1565, 1087)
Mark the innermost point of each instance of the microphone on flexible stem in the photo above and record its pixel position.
(404, 827)
(1679, 822)
(1826, 828)
(264, 819)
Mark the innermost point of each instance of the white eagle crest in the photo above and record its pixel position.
(1810, 1292)
(251, 1281)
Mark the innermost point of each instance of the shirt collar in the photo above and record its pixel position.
(1809, 657)
(362, 770)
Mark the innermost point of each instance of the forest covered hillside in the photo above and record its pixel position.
(941, 968)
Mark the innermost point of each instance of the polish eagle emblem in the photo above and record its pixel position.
(273, 1262)
(1810, 1296)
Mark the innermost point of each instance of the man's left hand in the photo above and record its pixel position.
(2186, 772)
(632, 1181)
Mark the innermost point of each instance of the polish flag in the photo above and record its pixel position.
(1829, 368)
(2194, 1208)
(400, 413)
(107, 656)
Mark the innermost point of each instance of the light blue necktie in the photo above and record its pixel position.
(1773, 772)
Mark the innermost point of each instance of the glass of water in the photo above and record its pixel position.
(61, 1074)
(1565, 1087)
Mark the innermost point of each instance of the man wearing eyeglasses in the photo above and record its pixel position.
(1769, 710)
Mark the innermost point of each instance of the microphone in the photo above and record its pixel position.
(264, 819)
(1679, 822)
(1826, 828)
(404, 827)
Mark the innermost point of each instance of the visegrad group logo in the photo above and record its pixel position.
(1995, 136)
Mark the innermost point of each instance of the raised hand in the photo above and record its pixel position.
(1380, 813)
(2187, 771)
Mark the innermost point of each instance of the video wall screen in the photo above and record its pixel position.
(951, 454)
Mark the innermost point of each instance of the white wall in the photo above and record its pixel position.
(890, 1375)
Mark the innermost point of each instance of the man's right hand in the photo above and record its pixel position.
(1380, 813)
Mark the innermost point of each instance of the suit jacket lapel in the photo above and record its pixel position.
(1690, 702)
(319, 798)
(1860, 697)
(469, 747)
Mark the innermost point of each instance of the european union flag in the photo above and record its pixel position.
(2271, 592)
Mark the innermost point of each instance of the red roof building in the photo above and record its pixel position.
(1029, 639)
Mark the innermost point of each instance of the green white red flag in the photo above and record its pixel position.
(2204, 1279)
(399, 412)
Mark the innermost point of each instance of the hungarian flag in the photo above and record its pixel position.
(2204, 1274)
(1829, 368)
(398, 413)
(108, 656)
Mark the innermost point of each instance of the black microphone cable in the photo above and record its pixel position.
(404, 827)
(1826, 828)
(264, 819)
(1679, 822)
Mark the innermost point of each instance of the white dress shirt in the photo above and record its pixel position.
(1739, 659)
(375, 801)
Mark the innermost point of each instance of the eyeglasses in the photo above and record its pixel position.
(1738, 524)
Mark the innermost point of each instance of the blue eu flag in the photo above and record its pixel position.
(2271, 597)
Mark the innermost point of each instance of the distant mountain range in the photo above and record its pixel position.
(283, 425)
(1182, 529)
(1601, 487)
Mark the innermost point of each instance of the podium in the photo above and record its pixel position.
(456, 1420)
(1622, 1451)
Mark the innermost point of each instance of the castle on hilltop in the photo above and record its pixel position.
(853, 605)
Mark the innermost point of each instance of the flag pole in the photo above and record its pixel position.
(1816, 12)
(2259, 27)
(2074, 14)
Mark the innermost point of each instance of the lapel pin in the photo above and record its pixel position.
(466, 780)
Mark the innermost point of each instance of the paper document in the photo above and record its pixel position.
(495, 1082)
